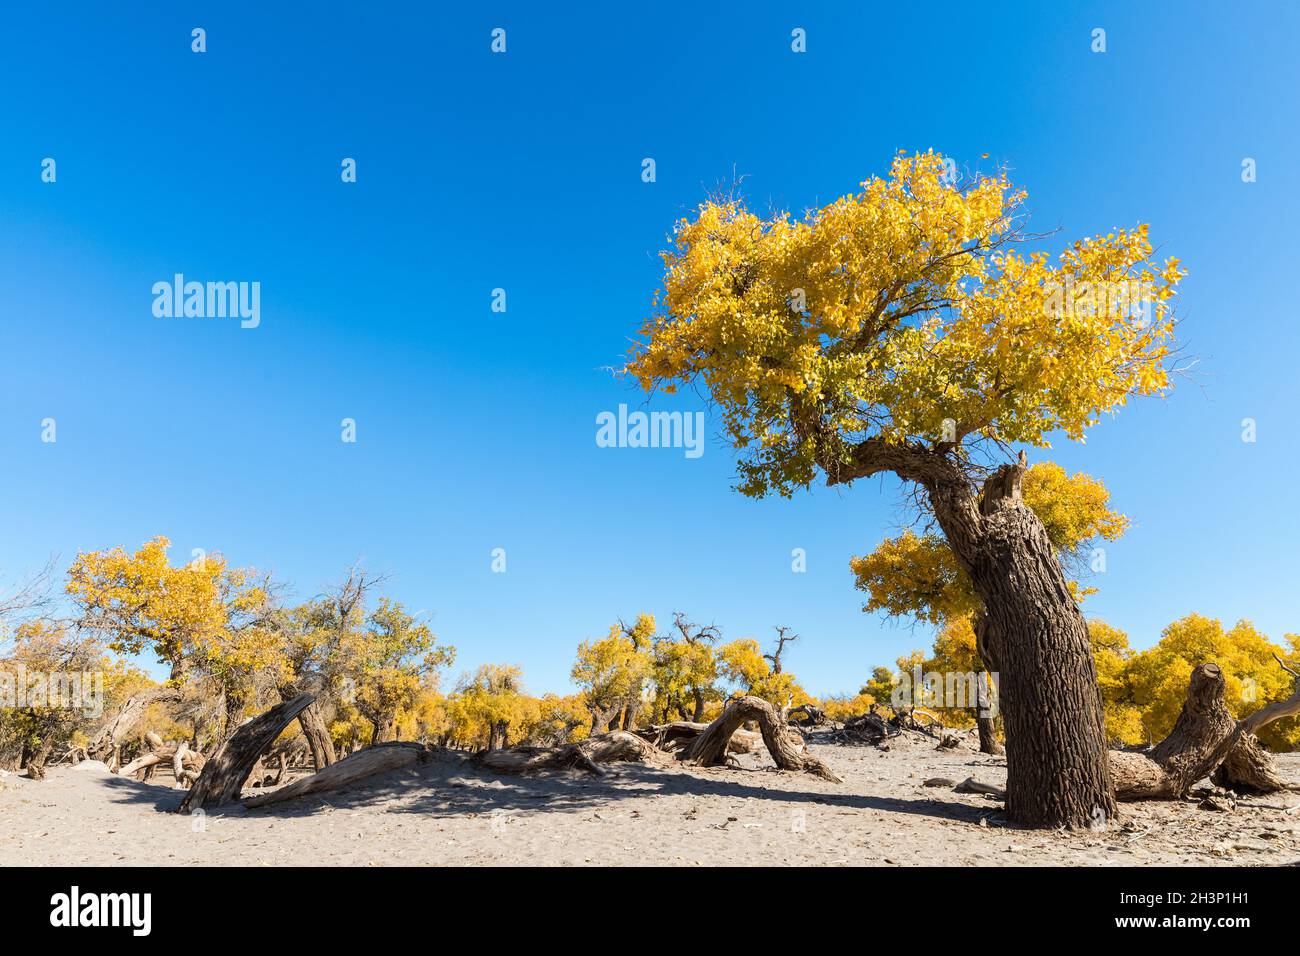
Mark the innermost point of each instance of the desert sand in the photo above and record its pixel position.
(447, 813)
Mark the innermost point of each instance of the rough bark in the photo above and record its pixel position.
(117, 729)
(678, 734)
(362, 764)
(1205, 740)
(224, 775)
(785, 745)
(1057, 770)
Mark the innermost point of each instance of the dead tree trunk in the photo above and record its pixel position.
(1205, 740)
(118, 728)
(36, 763)
(786, 746)
(365, 763)
(586, 755)
(224, 775)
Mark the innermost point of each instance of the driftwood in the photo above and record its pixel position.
(1205, 740)
(809, 715)
(971, 785)
(786, 746)
(874, 728)
(224, 775)
(108, 741)
(362, 764)
(588, 755)
(186, 764)
(679, 734)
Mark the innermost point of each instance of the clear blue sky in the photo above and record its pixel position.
(522, 171)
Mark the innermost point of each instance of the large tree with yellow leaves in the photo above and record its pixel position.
(901, 329)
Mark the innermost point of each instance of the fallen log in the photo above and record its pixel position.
(364, 763)
(224, 776)
(1205, 740)
(186, 763)
(678, 734)
(588, 755)
(971, 785)
(786, 746)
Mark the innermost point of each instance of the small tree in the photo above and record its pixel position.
(613, 672)
(387, 664)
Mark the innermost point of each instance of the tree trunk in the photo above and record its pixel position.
(365, 763)
(314, 729)
(1205, 740)
(989, 743)
(118, 728)
(784, 744)
(224, 775)
(36, 763)
(600, 717)
(699, 706)
(385, 731)
(985, 722)
(1037, 641)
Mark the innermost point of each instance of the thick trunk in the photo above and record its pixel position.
(224, 775)
(630, 713)
(312, 721)
(600, 717)
(699, 706)
(1037, 641)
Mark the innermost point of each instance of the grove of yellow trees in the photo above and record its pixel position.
(234, 647)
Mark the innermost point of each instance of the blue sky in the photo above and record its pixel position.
(522, 171)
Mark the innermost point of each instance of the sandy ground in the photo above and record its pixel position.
(446, 813)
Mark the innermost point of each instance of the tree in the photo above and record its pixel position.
(489, 703)
(387, 664)
(315, 640)
(755, 674)
(685, 669)
(897, 330)
(141, 602)
(918, 576)
(613, 672)
(205, 619)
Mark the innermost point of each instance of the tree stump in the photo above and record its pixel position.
(1205, 740)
